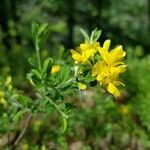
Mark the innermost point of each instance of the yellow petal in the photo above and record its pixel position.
(99, 68)
(103, 53)
(96, 69)
(86, 55)
(96, 45)
(55, 69)
(113, 90)
(118, 70)
(103, 72)
(76, 56)
(84, 47)
(82, 86)
(116, 55)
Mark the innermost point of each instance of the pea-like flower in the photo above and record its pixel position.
(55, 69)
(86, 51)
(108, 69)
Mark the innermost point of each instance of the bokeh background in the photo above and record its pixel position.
(101, 122)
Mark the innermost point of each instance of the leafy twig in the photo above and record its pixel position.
(56, 106)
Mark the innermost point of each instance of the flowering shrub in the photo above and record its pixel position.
(94, 65)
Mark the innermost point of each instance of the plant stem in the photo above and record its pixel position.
(39, 60)
(56, 106)
(62, 85)
(27, 122)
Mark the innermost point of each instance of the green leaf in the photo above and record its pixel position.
(16, 103)
(67, 87)
(24, 100)
(64, 123)
(19, 114)
(88, 78)
(42, 29)
(95, 35)
(34, 79)
(64, 73)
(36, 73)
(69, 106)
(35, 28)
(42, 104)
(42, 35)
(47, 65)
(33, 62)
(86, 36)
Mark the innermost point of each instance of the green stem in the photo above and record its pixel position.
(81, 94)
(39, 59)
(56, 106)
(62, 85)
(91, 38)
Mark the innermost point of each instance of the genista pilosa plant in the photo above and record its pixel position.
(94, 64)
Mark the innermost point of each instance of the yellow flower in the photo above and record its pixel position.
(2, 99)
(107, 71)
(82, 86)
(86, 50)
(108, 76)
(55, 69)
(114, 57)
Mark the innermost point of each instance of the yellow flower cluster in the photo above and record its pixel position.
(87, 50)
(108, 68)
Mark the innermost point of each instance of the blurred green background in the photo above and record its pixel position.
(100, 122)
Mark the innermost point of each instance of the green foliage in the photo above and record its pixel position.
(59, 119)
(138, 80)
(40, 34)
(95, 35)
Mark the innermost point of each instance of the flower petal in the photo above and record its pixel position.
(55, 69)
(113, 90)
(76, 56)
(103, 53)
(96, 69)
(116, 55)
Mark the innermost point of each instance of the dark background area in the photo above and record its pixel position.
(126, 22)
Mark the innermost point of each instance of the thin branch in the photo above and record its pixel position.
(27, 122)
